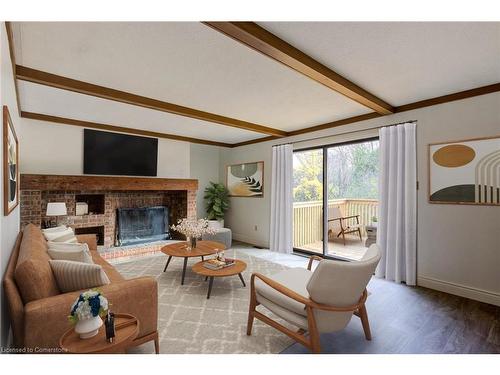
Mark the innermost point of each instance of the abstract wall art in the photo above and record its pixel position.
(10, 164)
(465, 172)
(246, 180)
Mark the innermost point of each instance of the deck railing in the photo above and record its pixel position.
(308, 217)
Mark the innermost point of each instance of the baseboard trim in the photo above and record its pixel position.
(249, 240)
(460, 290)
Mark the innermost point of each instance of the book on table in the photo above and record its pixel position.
(216, 264)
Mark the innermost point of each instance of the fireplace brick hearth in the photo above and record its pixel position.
(35, 196)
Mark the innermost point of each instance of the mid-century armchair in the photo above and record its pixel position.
(316, 302)
(342, 225)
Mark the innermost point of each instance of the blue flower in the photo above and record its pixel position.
(95, 305)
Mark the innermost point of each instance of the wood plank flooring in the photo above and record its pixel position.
(413, 320)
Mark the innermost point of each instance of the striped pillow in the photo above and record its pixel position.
(77, 252)
(71, 276)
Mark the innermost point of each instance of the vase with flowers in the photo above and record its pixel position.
(87, 311)
(193, 229)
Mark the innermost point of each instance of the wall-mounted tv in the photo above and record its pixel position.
(119, 154)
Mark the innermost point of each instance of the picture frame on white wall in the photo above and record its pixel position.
(245, 179)
(465, 172)
(10, 164)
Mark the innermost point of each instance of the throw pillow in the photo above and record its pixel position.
(77, 252)
(65, 235)
(55, 229)
(71, 276)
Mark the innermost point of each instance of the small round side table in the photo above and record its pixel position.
(235, 269)
(126, 330)
(181, 250)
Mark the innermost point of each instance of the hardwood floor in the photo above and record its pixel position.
(416, 320)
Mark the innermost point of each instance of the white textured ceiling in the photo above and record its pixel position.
(50, 101)
(401, 62)
(185, 63)
(189, 64)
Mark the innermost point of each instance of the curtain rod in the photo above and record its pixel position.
(344, 133)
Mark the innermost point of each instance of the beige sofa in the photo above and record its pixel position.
(39, 311)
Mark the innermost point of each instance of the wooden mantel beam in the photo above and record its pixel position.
(109, 183)
(65, 83)
(261, 40)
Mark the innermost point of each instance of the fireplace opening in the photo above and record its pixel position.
(98, 231)
(140, 225)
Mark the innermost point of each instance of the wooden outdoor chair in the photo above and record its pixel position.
(319, 301)
(342, 225)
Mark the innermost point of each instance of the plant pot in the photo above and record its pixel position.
(216, 224)
(88, 328)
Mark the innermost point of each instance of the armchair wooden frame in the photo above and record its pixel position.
(345, 228)
(313, 342)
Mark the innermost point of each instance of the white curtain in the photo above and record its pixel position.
(281, 199)
(397, 225)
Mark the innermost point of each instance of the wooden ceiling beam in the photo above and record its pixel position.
(119, 129)
(261, 40)
(10, 39)
(253, 141)
(402, 108)
(449, 98)
(60, 82)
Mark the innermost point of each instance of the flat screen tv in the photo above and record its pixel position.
(119, 154)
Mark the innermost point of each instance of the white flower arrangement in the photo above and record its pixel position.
(193, 228)
(88, 305)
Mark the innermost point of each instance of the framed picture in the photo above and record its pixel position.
(465, 172)
(10, 164)
(246, 180)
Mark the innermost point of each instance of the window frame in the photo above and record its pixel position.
(324, 149)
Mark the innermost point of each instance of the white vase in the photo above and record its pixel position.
(88, 328)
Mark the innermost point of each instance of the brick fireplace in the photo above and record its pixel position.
(103, 195)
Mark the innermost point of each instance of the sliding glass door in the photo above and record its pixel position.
(308, 200)
(331, 219)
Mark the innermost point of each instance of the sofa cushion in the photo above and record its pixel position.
(295, 279)
(33, 274)
(73, 276)
(77, 252)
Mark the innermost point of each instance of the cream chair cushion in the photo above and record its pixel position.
(295, 279)
(298, 320)
(338, 283)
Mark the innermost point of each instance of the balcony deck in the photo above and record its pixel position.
(354, 249)
(308, 231)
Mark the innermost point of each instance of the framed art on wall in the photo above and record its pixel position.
(10, 164)
(245, 180)
(465, 172)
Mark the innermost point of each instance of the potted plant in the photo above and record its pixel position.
(217, 198)
(87, 311)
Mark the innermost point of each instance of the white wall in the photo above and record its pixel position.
(204, 167)
(58, 149)
(9, 225)
(458, 246)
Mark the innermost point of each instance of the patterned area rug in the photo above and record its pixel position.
(188, 323)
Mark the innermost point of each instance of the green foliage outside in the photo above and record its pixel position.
(352, 172)
(217, 198)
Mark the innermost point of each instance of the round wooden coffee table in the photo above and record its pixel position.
(181, 250)
(235, 269)
(126, 330)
